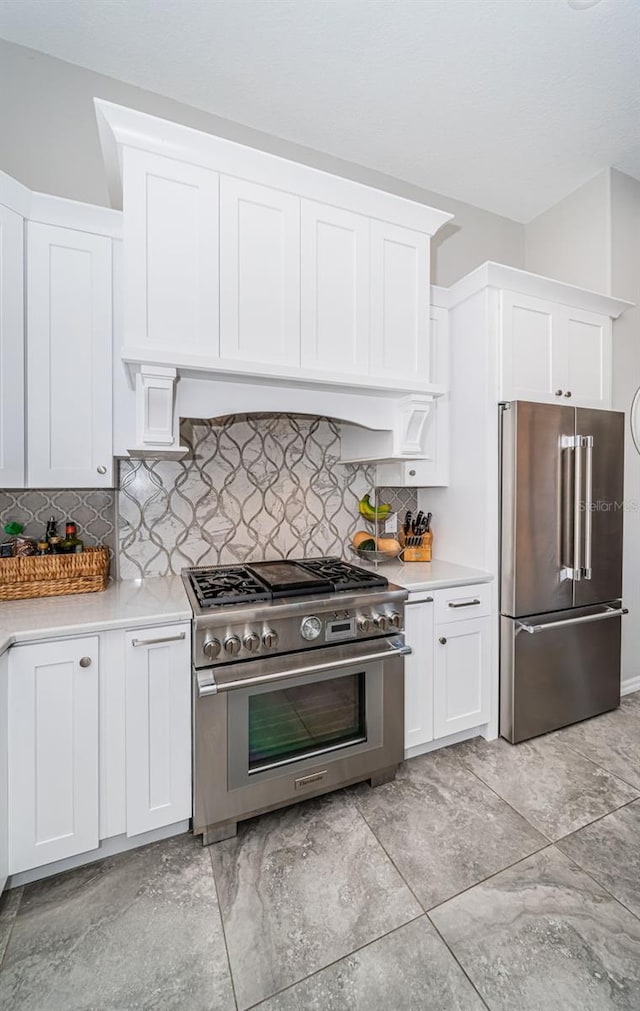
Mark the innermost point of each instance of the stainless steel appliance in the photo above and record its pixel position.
(298, 685)
(561, 566)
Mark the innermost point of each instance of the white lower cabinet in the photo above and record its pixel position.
(158, 727)
(418, 671)
(53, 751)
(96, 734)
(461, 689)
(447, 676)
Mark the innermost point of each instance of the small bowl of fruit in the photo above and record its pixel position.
(375, 547)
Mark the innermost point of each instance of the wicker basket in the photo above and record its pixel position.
(53, 575)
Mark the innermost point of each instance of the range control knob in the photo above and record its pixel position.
(364, 624)
(270, 638)
(232, 645)
(211, 648)
(395, 619)
(311, 627)
(381, 622)
(251, 641)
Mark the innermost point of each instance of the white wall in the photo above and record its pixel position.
(625, 280)
(49, 141)
(572, 240)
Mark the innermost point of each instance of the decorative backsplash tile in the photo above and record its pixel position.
(253, 487)
(92, 510)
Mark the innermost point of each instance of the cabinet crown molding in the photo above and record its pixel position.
(120, 127)
(499, 275)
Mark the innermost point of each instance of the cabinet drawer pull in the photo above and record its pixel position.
(442, 641)
(85, 661)
(153, 642)
(423, 600)
(558, 393)
(464, 603)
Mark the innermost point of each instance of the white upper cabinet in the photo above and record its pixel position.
(12, 404)
(69, 334)
(589, 355)
(170, 254)
(554, 354)
(259, 273)
(399, 302)
(335, 289)
(320, 279)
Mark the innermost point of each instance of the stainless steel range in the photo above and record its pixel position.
(298, 685)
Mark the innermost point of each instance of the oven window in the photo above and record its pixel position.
(289, 723)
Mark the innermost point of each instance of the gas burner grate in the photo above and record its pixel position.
(343, 575)
(234, 584)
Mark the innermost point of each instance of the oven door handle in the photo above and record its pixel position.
(208, 686)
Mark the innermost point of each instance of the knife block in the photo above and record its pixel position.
(417, 552)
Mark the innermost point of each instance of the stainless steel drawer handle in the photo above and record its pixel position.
(423, 600)
(208, 686)
(610, 612)
(464, 603)
(153, 642)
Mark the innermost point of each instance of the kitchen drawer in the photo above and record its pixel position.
(462, 602)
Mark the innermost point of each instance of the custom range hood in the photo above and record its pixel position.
(254, 283)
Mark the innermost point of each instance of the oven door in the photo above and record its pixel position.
(295, 724)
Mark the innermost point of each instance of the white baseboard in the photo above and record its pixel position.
(444, 742)
(107, 848)
(630, 685)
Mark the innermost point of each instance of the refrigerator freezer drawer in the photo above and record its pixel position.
(557, 669)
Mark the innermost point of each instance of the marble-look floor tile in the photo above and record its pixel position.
(609, 850)
(443, 828)
(301, 888)
(557, 790)
(408, 970)
(543, 936)
(611, 740)
(138, 931)
(9, 902)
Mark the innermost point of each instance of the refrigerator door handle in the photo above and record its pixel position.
(587, 442)
(577, 510)
(609, 612)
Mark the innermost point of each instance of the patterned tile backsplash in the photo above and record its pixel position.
(252, 487)
(93, 511)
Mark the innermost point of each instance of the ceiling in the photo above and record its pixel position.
(505, 104)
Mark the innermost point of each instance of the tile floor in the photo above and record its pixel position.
(486, 876)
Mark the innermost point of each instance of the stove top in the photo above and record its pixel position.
(220, 585)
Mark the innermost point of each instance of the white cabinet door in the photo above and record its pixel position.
(461, 675)
(259, 273)
(170, 254)
(589, 352)
(158, 727)
(418, 671)
(533, 350)
(399, 302)
(53, 751)
(11, 349)
(4, 770)
(69, 368)
(334, 290)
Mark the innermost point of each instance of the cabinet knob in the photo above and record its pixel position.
(558, 393)
(568, 393)
(101, 469)
(412, 473)
(85, 661)
(442, 641)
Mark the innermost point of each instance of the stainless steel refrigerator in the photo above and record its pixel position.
(561, 565)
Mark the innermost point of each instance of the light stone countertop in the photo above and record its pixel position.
(162, 599)
(429, 575)
(158, 600)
